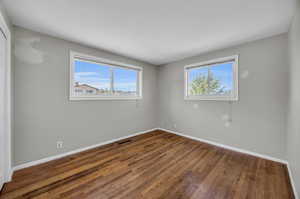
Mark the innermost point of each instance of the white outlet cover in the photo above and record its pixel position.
(59, 144)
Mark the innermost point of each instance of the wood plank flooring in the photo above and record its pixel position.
(156, 165)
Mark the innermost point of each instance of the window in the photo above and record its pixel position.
(97, 78)
(212, 80)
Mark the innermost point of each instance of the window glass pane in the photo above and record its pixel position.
(104, 80)
(211, 80)
(91, 78)
(125, 81)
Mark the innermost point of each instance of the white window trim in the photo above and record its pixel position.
(233, 97)
(75, 55)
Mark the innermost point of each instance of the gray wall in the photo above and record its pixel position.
(293, 138)
(259, 117)
(43, 113)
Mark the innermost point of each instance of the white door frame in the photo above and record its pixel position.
(8, 122)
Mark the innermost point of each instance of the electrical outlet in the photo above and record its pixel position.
(59, 144)
(175, 126)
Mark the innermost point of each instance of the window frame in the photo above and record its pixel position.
(233, 97)
(88, 58)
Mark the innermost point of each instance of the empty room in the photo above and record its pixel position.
(138, 99)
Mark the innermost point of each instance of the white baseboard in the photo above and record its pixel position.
(227, 147)
(36, 162)
(292, 181)
(10, 174)
(1, 185)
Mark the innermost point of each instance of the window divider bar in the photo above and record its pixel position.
(111, 71)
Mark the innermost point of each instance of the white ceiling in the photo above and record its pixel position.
(154, 31)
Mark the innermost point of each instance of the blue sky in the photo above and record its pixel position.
(222, 72)
(98, 76)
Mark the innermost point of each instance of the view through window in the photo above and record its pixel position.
(212, 80)
(100, 80)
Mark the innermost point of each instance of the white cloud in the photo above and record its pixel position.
(85, 76)
(89, 77)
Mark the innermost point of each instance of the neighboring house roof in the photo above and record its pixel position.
(85, 86)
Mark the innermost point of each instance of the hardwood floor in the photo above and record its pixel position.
(156, 165)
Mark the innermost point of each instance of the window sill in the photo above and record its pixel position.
(211, 98)
(72, 98)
